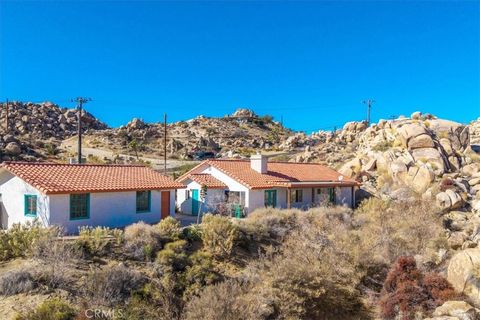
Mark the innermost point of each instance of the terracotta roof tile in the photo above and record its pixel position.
(280, 174)
(51, 178)
(208, 180)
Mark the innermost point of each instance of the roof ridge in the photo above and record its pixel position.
(37, 163)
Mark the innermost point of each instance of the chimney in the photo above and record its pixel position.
(258, 163)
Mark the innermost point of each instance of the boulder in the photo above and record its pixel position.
(421, 141)
(421, 179)
(13, 149)
(449, 200)
(458, 309)
(417, 115)
(463, 274)
(456, 240)
(431, 156)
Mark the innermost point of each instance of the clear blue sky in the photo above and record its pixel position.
(310, 62)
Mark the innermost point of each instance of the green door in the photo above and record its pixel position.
(195, 202)
(271, 198)
(237, 210)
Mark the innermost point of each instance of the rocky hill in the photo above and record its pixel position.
(39, 131)
(36, 129)
(238, 134)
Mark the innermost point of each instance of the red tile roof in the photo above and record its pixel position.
(54, 178)
(280, 174)
(207, 180)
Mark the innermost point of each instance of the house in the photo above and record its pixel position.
(75, 195)
(240, 186)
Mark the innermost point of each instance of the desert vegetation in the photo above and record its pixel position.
(380, 261)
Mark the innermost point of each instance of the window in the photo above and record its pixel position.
(79, 206)
(30, 205)
(143, 201)
(187, 194)
(325, 195)
(296, 196)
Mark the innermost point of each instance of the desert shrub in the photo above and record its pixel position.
(219, 235)
(19, 240)
(446, 183)
(313, 275)
(386, 230)
(192, 233)
(173, 256)
(169, 229)
(141, 240)
(200, 273)
(52, 309)
(14, 282)
(112, 285)
(383, 146)
(94, 241)
(408, 292)
(154, 301)
(269, 224)
(227, 300)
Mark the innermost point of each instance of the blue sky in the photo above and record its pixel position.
(311, 63)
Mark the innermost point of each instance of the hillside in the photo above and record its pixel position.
(37, 129)
(48, 131)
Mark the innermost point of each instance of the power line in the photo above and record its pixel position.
(80, 101)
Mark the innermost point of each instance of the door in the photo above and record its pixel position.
(271, 198)
(195, 202)
(165, 204)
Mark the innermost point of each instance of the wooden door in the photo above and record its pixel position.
(165, 204)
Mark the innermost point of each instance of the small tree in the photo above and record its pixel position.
(134, 146)
(203, 195)
(407, 291)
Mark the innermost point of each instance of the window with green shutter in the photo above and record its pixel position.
(30, 205)
(143, 201)
(79, 206)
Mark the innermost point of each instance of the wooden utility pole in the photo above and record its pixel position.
(165, 143)
(7, 118)
(80, 101)
(369, 103)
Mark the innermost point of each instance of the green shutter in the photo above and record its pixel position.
(30, 205)
(79, 206)
(143, 201)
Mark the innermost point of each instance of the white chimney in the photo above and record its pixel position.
(258, 163)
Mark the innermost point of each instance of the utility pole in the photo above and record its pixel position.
(80, 101)
(369, 103)
(7, 118)
(165, 143)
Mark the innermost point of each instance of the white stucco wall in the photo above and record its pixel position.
(343, 196)
(13, 191)
(109, 209)
(255, 199)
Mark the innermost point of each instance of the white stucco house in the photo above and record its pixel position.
(75, 195)
(238, 187)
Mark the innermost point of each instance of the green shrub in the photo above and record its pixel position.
(193, 233)
(52, 309)
(19, 240)
(169, 229)
(95, 241)
(219, 235)
(200, 273)
(173, 256)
